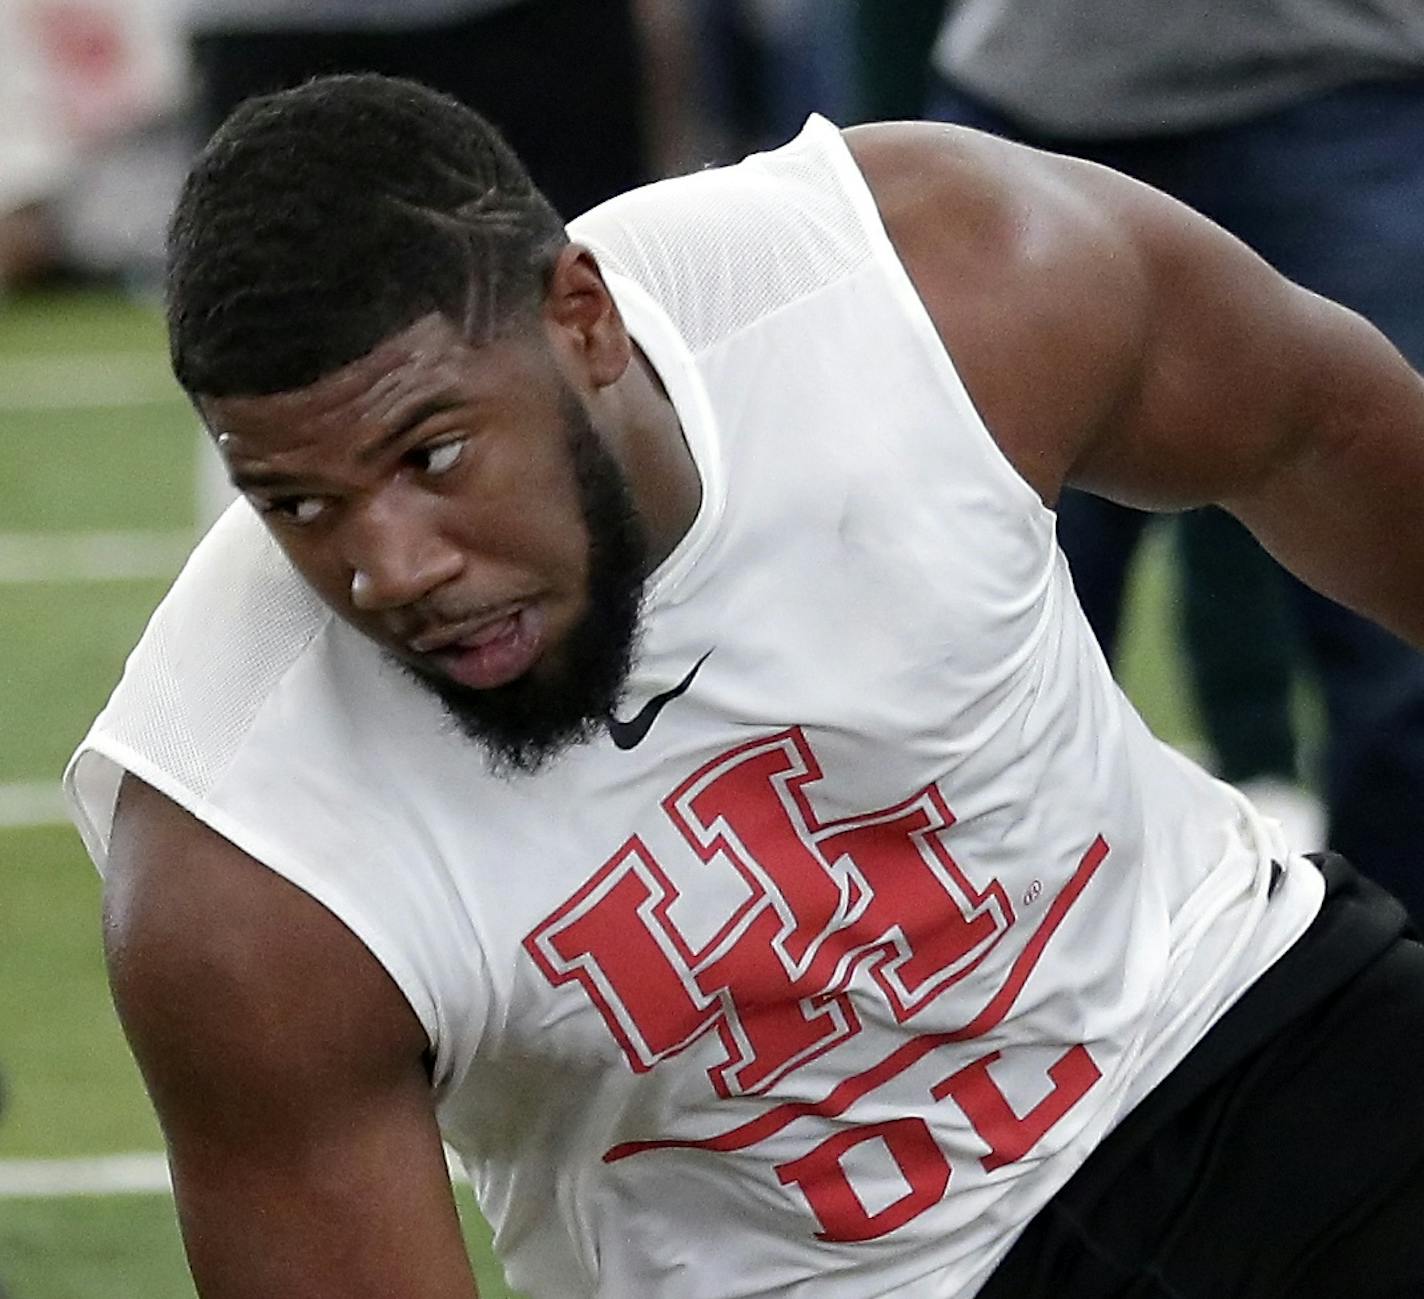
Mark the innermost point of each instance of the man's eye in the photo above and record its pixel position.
(439, 459)
(294, 509)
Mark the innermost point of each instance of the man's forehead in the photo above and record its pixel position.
(427, 363)
(430, 343)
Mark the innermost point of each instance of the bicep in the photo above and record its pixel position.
(287, 1071)
(1223, 382)
(1110, 337)
(1289, 410)
(1114, 340)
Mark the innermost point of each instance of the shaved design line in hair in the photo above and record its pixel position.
(321, 220)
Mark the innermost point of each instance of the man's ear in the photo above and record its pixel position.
(583, 320)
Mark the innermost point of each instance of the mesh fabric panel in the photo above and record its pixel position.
(722, 249)
(236, 620)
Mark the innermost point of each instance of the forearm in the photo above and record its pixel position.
(321, 1232)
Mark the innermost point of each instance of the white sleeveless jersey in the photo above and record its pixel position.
(827, 984)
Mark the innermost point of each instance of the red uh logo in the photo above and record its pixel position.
(877, 891)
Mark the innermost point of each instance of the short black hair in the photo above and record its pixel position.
(321, 220)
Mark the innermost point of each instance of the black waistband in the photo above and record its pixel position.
(1357, 923)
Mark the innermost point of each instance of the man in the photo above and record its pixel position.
(642, 732)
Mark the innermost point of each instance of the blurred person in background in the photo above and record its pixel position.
(892, 40)
(564, 79)
(35, 155)
(763, 65)
(91, 93)
(1298, 129)
(37, 152)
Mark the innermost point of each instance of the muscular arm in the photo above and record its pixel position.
(287, 1071)
(1116, 341)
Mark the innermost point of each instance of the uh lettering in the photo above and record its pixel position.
(877, 891)
(822, 899)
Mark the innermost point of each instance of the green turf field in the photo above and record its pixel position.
(95, 440)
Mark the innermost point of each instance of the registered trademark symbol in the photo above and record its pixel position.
(1031, 893)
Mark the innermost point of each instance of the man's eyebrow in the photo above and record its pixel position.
(258, 479)
(417, 416)
(248, 479)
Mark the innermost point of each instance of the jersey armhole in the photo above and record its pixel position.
(101, 764)
(882, 249)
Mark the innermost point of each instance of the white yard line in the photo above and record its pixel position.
(86, 381)
(42, 1179)
(32, 804)
(30, 557)
(135, 1174)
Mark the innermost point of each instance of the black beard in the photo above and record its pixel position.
(565, 700)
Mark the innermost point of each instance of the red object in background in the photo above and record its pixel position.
(100, 83)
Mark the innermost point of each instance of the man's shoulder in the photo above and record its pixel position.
(237, 596)
(231, 627)
(723, 247)
(1027, 265)
(232, 624)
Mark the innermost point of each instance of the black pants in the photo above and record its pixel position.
(562, 79)
(1283, 1158)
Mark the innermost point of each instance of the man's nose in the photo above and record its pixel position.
(396, 556)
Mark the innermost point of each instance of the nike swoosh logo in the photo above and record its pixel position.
(630, 734)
